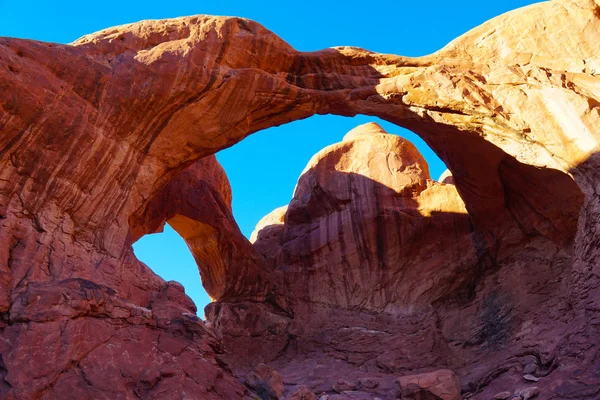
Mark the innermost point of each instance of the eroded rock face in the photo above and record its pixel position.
(358, 232)
(93, 132)
(197, 204)
(442, 384)
(75, 338)
(369, 231)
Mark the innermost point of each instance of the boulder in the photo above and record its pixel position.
(437, 385)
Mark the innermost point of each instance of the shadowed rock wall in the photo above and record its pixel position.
(93, 132)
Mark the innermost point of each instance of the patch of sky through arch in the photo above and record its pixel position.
(263, 170)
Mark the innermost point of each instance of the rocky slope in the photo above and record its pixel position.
(372, 273)
(384, 274)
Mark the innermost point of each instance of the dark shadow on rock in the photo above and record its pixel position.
(125, 129)
(508, 201)
(197, 204)
(368, 275)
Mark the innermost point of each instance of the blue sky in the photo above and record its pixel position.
(264, 168)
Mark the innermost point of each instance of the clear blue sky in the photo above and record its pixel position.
(263, 169)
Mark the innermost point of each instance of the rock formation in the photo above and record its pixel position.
(358, 231)
(442, 384)
(197, 204)
(373, 272)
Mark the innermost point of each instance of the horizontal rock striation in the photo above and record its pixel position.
(106, 139)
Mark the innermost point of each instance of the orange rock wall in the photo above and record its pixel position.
(93, 132)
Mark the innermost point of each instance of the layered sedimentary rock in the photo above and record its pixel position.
(71, 337)
(442, 384)
(93, 132)
(385, 273)
(358, 230)
(197, 204)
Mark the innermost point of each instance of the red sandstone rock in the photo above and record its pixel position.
(92, 133)
(528, 393)
(342, 386)
(266, 382)
(365, 209)
(197, 204)
(303, 393)
(446, 177)
(438, 385)
(266, 237)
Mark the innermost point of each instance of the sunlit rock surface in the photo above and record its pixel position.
(93, 132)
(358, 231)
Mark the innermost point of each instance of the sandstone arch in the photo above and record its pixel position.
(93, 132)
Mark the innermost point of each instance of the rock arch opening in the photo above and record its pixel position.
(116, 157)
(271, 174)
(167, 254)
(197, 203)
(263, 169)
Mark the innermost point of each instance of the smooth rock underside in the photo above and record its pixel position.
(374, 282)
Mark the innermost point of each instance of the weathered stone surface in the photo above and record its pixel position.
(92, 133)
(503, 395)
(531, 378)
(255, 332)
(266, 382)
(446, 177)
(302, 393)
(84, 342)
(266, 237)
(528, 393)
(368, 383)
(343, 385)
(530, 368)
(442, 385)
(197, 204)
(366, 209)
